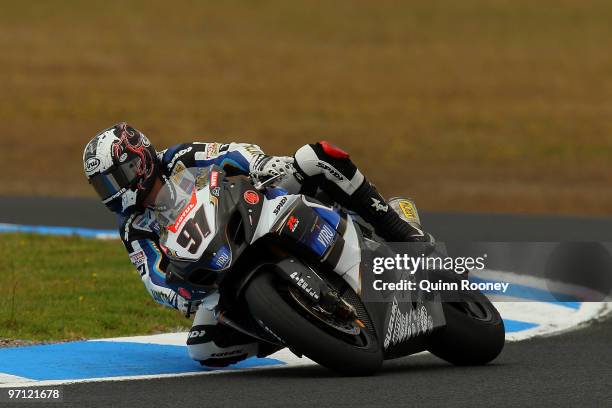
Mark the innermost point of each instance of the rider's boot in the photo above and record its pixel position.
(214, 344)
(387, 223)
(322, 164)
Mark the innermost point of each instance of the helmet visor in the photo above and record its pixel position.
(116, 180)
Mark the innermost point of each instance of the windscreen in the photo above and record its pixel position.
(186, 213)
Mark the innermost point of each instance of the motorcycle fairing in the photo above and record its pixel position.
(403, 319)
(313, 229)
(219, 221)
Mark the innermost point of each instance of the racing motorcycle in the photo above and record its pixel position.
(295, 271)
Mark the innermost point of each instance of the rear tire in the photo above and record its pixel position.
(466, 339)
(282, 318)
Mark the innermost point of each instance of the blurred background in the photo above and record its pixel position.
(471, 105)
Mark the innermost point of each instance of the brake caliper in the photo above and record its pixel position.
(331, 302)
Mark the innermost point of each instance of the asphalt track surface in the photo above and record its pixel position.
(572, 369)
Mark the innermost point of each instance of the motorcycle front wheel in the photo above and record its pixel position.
(275, 304)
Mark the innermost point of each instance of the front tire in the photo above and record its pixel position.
(474, 333)
(281, 316)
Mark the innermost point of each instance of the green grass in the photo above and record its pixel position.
(478, 105)
(57, 288)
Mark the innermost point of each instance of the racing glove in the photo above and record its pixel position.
(187, 307)
(279, 168)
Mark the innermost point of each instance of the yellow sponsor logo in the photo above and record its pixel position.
(409, 210)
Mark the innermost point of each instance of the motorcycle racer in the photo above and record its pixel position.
(127, 173)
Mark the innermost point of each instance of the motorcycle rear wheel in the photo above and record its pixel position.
(281, 315)
(474, 333)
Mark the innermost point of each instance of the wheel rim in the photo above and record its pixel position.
(349, 331)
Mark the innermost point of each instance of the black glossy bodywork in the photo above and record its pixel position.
(286, 250)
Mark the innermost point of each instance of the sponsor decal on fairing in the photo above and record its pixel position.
(251, 197)
(403, 326)
(326, 235)
(280, 205)
(183, 215)
(292, 223)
